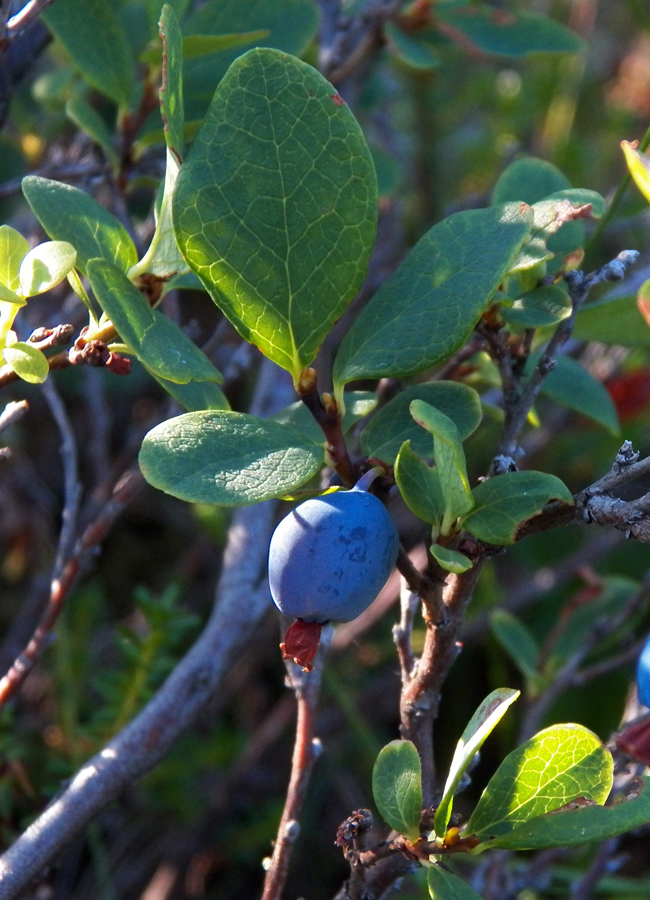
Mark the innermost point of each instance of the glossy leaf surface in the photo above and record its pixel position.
(550, 770)
(96, 41)
(397, 788)
(393, 424)
(427, 308)
(158, 342)
(275, 206)
(504, 502)
(13, 247)
(580, 825)
(419, 485)
(450, 461)
(27, 361)
(483, 722)
(68, 214)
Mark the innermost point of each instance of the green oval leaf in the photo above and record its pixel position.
(572, 827)
(504, 502)
(13, 248)
(28, 362)
(419, 486)
(613, 320)
(68, 214)
(450, 462)
(483, 722)
(518, 643)
(538, 308)
(570, 384)
(89, 120)
(275, 208)
(196, 395)
(514, 34)
(397, 787)
(428, 307)
(159, 343)
(529, 179)
(45, 266)
(553, 768)
(444, 885)
(393, 424)
(97, 43)
(287, 25)
(227, 458)
(450, 560)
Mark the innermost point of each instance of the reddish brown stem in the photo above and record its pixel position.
(421, 693)
(329, 420)
(61, 586)
(304, 756)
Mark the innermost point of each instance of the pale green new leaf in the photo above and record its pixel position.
(419, 486)
(68, 214)
(45, 266)
(553, 768)
(482, 723)
(275, 207)
(450, 560)
(444, 885)
(97, 43)
(450, 461)
(13, 248)
(639, 166)
(504, 502)
(163, 258)
(393, 424)
(572, 827)
(28, 362)
(159, 343)
(397, 787)
(227, 458)
(9, 296)
(427, 308)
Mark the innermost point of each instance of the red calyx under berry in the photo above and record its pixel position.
(635, 741)
(301, 643)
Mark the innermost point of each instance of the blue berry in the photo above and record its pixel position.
(331, 556)
(643, 674)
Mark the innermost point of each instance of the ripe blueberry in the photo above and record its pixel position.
(331, 556)
(643, 674)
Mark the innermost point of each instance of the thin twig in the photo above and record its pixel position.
(579, 286)
(402, 632)
(71, 485)
(61, 585)
(26, 16)
(12, 412)
(305, 753)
